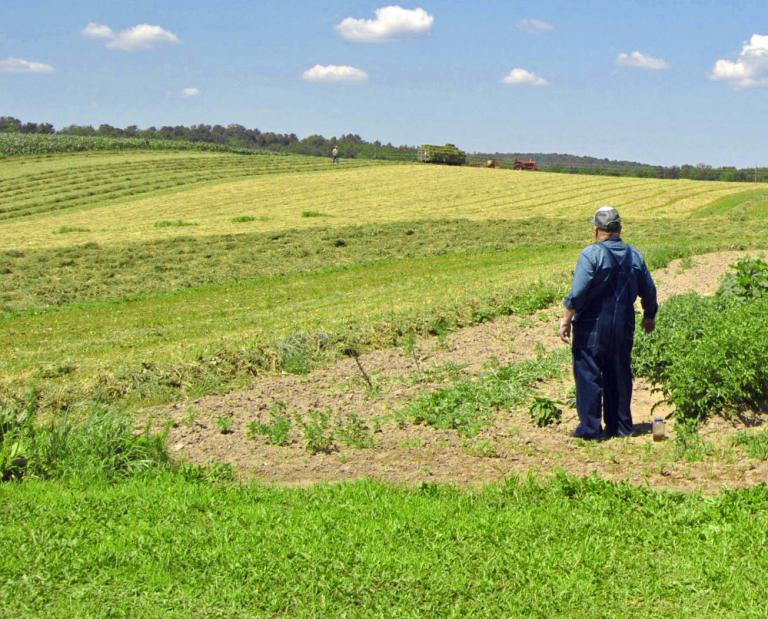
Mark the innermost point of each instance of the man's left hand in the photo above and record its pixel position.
(649, 324)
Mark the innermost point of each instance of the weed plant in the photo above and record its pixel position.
(318, 432)
(755, 444)
(481, 448)
(544, 412)
(224, 423)
(747, 279)
(277, 430)
(470, 405)
(352, 431)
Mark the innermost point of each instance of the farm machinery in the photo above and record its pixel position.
(528, 164)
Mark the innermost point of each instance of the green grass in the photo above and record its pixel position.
(367, 304)
(162, 546)
(755, 444)
(469, 405)
(119, 310)
(69, 229)
(738, 207)
(243, 219)
(35, 278)
(154, 297)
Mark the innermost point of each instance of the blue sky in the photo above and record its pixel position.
(434, 79)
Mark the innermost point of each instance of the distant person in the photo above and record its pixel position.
(600, 311)
(335, 155)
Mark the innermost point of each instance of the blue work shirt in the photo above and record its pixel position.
(593, 272)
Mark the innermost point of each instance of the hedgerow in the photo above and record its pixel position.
(14, 144)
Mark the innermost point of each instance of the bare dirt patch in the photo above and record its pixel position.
(410, 453)
(701, 274)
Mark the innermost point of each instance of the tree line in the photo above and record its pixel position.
(353, 146)
(350, 145)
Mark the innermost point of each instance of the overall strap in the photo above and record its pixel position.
(619, 268)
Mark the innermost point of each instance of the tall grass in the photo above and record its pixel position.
(103, 446)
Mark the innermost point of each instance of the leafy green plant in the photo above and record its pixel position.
(469, 405)
(318, 434)
(277, 429)
(353, 431)
(544, 411)
(242, 219)
(224, 424)
(707, 355)
(747, 279)
(481, 448)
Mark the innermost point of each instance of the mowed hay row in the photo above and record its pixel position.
(375, 194)
(44, 187)
(172, 328)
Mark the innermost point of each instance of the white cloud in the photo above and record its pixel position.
(97, 31)
(526, 78)
(334, 73)
(642, 61)
(143, 36)
(750, 69)
(391, 22)
(531, 25)
(19, 65)
(190, 92)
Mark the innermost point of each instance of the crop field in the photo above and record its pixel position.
(179, 326)
(113, 262)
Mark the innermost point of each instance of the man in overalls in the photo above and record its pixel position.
(599, 311)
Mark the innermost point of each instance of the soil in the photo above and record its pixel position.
(409, 453)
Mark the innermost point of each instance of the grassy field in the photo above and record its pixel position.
(166, 547)
(31, 187)
(136, 278)
(336, 197)
(112, 263)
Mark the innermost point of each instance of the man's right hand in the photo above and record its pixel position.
(565, 330)
(649, 324)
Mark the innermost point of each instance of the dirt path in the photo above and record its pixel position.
(415, 453)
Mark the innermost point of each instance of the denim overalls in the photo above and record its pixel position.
(603, 332)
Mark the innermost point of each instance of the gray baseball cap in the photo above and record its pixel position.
(607, 219)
